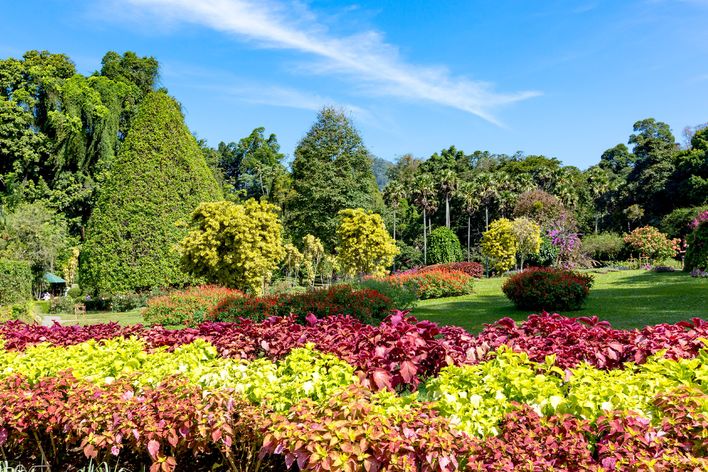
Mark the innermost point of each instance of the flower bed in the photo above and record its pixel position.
(551, 393)
(435, 283)
(188, 306)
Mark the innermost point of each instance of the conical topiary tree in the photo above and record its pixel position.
(159, 178)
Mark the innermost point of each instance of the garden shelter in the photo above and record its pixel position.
(57, 285)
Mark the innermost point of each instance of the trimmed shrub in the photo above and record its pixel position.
(444, 246)
(15, 281)
(159, 178)
(436, 283)
(366, 305)
(548, 289)
(188, 307)
(697, 250)
(603, 246)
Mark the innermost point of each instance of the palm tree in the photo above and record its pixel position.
(599, 185)
(469, 195)
(448, 186)
(425, 199)
(394, 193)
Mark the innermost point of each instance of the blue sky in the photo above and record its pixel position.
(560, 78)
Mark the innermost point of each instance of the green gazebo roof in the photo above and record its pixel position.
(53, 279)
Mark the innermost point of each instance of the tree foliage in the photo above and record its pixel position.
(15, 281)
(237, 245)
(500, 244)
(364, 246)
(528, 238)
(444, 246)
(159, 178)
(331, 172)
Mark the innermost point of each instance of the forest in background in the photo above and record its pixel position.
(62, 137)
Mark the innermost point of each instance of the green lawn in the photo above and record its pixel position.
(93, 317)
(627, 299)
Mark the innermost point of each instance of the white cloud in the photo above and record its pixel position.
(374, 65)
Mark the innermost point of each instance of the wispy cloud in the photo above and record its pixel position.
(366, 58)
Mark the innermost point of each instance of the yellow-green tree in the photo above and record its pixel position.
(528, 238)
(312, 252)
(499, 243)
(363, 243)
(293, 260)
(237, 245)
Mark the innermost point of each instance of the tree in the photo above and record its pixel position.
(633, 213)
(618, 160)
(160, 176)
(425, 199)
(331, 172)
(654, 148)
(651, 243)
(444, 246)
(253, 167)
(448, 186)
(363, 243)
(394, 193)
(63, 131)
(237, 245)
(313, 252)
(470, 198)
(499, 243)
(598, 183)
(142, 72)
(37, 235)
(540, 206)
(528, 238)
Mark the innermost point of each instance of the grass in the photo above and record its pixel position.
(93, 317)
(627, 299)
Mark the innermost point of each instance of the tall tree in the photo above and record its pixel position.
(425, 199)
(158, 180)
(469, 195)
(254, 167)
(447, 181)
(394, 193)
(331, 172)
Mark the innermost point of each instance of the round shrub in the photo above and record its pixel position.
(651, 243)
(542, 288)
(188, 307)
(444, 246)
(697, 250)
(366, 305)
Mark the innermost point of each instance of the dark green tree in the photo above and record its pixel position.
(159, 178)
(331, 172)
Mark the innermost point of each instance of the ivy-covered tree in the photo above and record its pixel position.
(158, 180)
(331, 172)
(444, 246)
(364, 246)
(237, 245)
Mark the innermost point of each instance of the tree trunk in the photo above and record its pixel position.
(597, 219)
(394, 226)
(447, 211)
(486, 226)
(425, 241)
(469, 219)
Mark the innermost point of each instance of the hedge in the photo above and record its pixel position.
(15, 281)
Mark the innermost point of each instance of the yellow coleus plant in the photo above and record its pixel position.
(237, 245)
(364, 245)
